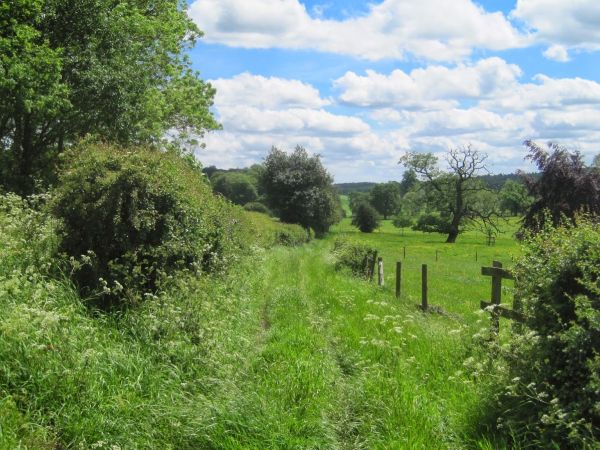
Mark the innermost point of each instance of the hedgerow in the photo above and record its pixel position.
(131, 217)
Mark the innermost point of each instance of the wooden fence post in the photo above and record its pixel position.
(398, 278)
(424, 287)
(436, 255)
(372, 266)
(380, 280)
(404, 255)
(496, 298)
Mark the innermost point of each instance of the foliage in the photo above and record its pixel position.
(554, 360)
(565, 187)
(409, 181)
(454, 193)
(514, 198)
(402, 221)
(355, 256)
(234, 186)
(432, 223)
(299, 190)
(355, 198)
(365, 218)
(116, 70)
(133, 216)
(266, 232)
(258, 207)
(385, 198)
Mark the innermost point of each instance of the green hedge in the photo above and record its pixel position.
(131, 217)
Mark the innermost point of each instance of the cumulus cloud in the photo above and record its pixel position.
(430, 109)
(430, 29)
(433, 87)
(557, 53)
(266, 92)
(562, 24)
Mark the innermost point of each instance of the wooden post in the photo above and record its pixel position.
(424, 287)
(404, 256)
(436, 255)
(476, 256)
(496, 297)
(372, 267)
(398, 278)
(380, 280)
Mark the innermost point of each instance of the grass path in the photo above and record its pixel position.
(338, 364)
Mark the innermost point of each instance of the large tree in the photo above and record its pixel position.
(112, 69)
(565, 187)
(299, 189)
(385, 198)
(453, 192)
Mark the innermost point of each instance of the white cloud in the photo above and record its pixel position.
(557, 53)
(429, 109)
(566, 23)
(438, 30)
(434, 87)
(262, 92)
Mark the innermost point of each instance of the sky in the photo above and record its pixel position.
(361, 83)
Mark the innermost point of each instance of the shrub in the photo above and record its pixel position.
(355, 256)
(264, 231)
(258, 207)
(554, 360)
(138, 215)
(365, 218)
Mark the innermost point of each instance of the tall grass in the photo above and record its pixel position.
(283, 352)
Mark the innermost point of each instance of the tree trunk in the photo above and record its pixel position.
(452, 235)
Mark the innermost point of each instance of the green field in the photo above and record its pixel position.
(284, 352)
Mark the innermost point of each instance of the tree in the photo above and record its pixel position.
(565, 187)
(385, 198)
(365, 218)
(514, 198)
(402, 221)
(355, 198)
(299, 189)
(235, 186)
(453, 192)
(409, 180)
(111, 69)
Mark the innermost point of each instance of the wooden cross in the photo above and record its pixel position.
(498, 274)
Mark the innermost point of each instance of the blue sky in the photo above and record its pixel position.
(362, 82)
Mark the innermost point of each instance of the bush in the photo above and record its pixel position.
(257, 207)
(355, 256)
(365, 218)
(264, 231)
(554, 359)
(134, 216)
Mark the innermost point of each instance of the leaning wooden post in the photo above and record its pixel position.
(380, 281)
(424, 287)
(398, 278)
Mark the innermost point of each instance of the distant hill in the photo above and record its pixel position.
(347, 188)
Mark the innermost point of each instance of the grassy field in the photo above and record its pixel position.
(283, 353)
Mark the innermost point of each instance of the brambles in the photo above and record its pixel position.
(138, 215)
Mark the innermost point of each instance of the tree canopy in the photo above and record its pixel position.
(565, 187)
(107, 68)
(453, 193)
(385, 198)
(299, 189)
